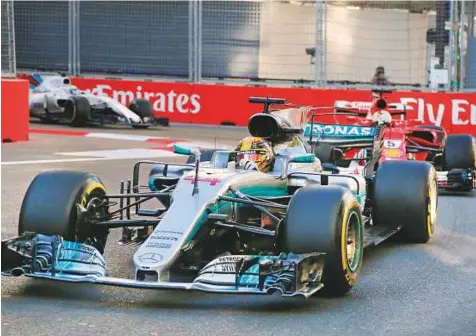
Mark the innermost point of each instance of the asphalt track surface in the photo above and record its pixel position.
(403, 289)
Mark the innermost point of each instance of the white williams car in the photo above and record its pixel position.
(55, 98)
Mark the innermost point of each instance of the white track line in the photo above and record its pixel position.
(131, 153)
(121, 136)
(106, 155)
(14, 163)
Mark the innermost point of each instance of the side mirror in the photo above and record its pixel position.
(336, 154)
(178, 149)
(182, 150)
(305, 158)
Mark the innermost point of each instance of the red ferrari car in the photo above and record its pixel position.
(362, 135)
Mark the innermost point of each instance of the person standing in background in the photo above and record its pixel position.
(379, 78)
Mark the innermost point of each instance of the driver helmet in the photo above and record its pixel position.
(381, 117)
(73, 89)
(379, 104)
(254, 153)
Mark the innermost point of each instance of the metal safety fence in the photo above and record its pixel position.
(8, 40)
(421, 45)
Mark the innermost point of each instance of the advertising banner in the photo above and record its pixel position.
(216, 104)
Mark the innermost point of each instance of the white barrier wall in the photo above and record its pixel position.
(357, 42)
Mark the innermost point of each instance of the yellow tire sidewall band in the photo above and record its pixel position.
(429, 220)
(349, 203)
(90, 187)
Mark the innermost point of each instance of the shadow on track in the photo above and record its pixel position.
(462, 194)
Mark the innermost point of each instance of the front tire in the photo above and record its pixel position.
(78, 111)
(142, 107)
(326, 219)
(406, 193)
(50, 207)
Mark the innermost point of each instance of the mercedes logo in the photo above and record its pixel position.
(150, 258)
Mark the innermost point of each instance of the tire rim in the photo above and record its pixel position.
(73, 112)
(432, 206)
(89, 236)
(354, 241)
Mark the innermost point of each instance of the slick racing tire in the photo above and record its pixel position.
(326, 219)
(50, 207)
(78, 111)
(405, 193)
(459, 152)
(142, 107)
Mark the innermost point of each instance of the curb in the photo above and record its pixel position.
(162, 142)
(59, 132)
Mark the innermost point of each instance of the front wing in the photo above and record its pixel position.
(457, 179)
(52, 258)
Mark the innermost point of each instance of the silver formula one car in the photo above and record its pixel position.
(295, 230)
(55, 98)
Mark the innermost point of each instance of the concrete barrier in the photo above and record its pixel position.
(15, 110)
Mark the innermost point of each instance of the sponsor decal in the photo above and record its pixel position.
(322, 130)
(82, 256)
(445, 112)
(171, 101)
(229, 259)
(392, 153)
(201, 103)
(163, 238)
(158, 245)
(357, 105)
(211, 180)
(87, 249)
(171, 232)
(150, 258)
(392, 143)
(228, 268)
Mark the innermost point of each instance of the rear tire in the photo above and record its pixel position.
(319, 219)
(78, 111)
(459, 152)
(406, 193)
(50, 207)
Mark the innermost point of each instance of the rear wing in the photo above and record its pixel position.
(361, 107)
(295, 114)
(302, 117)
(343, 105)
(267, 102)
